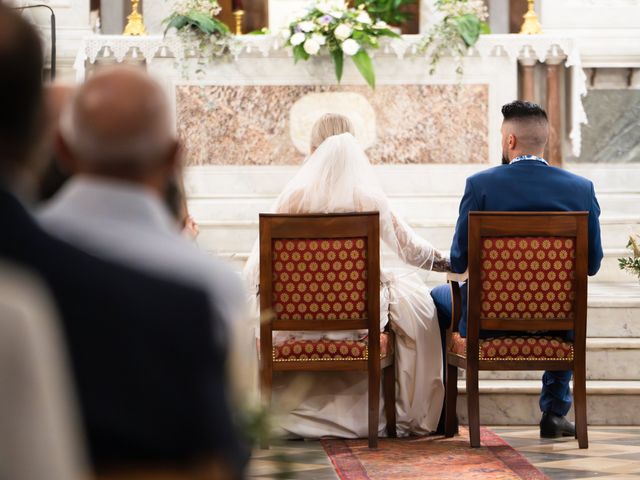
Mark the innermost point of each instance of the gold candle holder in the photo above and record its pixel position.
(239, 16)
(531, 25)
(135, 24)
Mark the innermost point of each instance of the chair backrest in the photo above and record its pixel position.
(320, 271)
(527, 271)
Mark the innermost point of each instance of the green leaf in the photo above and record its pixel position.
(299, 53)
(178, 22)
(338, 62)
(385, 32)
(468, 26)
(485, 29)
(203, 22)
(365, 66)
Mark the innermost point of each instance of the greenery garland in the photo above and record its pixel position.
(457, 28)
(333, 26)
(632, 264)
(341, 30)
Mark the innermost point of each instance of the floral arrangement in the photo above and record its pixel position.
(333, 26)
(632, 264)
(456, 27)
(195, 20)
(389, 11)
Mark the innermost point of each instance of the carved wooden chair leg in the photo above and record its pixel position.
(473, 407)
(389, 381)
(580, 405)
(451, 399)
(374, 406)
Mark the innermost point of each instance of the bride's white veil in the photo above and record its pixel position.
(338, 177)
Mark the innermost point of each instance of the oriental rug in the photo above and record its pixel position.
(433, 458)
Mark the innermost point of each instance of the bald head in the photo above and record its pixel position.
(118, 124)
(525, 130)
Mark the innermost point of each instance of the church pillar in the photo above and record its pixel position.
(528, 63)
(555, 68)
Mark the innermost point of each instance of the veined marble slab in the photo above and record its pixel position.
(271, 125)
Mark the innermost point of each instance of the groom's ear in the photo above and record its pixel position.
(512, 141)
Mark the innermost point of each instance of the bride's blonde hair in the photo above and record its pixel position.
(328, 125)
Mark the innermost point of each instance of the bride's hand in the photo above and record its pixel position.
(441, 263)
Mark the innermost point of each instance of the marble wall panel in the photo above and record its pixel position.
(270, 125)
(613, 132)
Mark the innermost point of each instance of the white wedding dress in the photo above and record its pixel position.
(338, 177)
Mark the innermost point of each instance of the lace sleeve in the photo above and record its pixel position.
(411, 247)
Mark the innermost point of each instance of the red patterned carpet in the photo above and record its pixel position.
(430, 458)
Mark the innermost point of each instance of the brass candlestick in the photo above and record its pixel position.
(239, 16)
(531, 25)
(135, 24)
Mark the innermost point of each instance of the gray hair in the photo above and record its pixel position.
(118, 119)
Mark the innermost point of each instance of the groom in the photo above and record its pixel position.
(525, 182)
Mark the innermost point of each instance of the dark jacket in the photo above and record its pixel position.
(525, 186)
(149, 376)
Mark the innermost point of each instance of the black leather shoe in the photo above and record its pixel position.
(554, 426)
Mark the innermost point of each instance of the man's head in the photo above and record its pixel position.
(525, 130)
(118, 125)
(21, 112)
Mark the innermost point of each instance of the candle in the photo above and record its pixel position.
(236, 5)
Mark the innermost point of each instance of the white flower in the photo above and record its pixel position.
(380, 25)
(285, 33)
(311, 47)
(363, 17)
(320, 39)
(297, 38)
(307, 26)
(342, 32)
(350, 47)
(331, 7)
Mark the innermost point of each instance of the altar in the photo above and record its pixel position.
(256, 106)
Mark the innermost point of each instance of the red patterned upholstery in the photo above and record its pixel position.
(294, 350)
(528, 277)
(320, 279)
(517, 348)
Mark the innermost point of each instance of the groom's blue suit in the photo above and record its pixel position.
(528, 185)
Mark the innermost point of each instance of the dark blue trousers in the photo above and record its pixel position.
(555, 396)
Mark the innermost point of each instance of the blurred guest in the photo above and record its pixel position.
(148, 373)
(40, 435)
(117, 140)
(52, 177)
(176, 201)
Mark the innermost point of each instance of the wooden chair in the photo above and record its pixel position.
(527, 273)
(322, 272)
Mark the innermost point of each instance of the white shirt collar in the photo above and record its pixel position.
(528, 157)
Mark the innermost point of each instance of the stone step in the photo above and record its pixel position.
(439, 207)
(515, 402)
(607, 359)
(609, 270)
(239, 235)
(395, 179)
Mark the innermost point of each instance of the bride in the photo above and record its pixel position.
(337, 177)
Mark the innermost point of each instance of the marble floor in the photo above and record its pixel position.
(614, 453)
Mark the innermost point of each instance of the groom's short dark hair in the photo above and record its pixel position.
(529, 122)
(523, 110)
